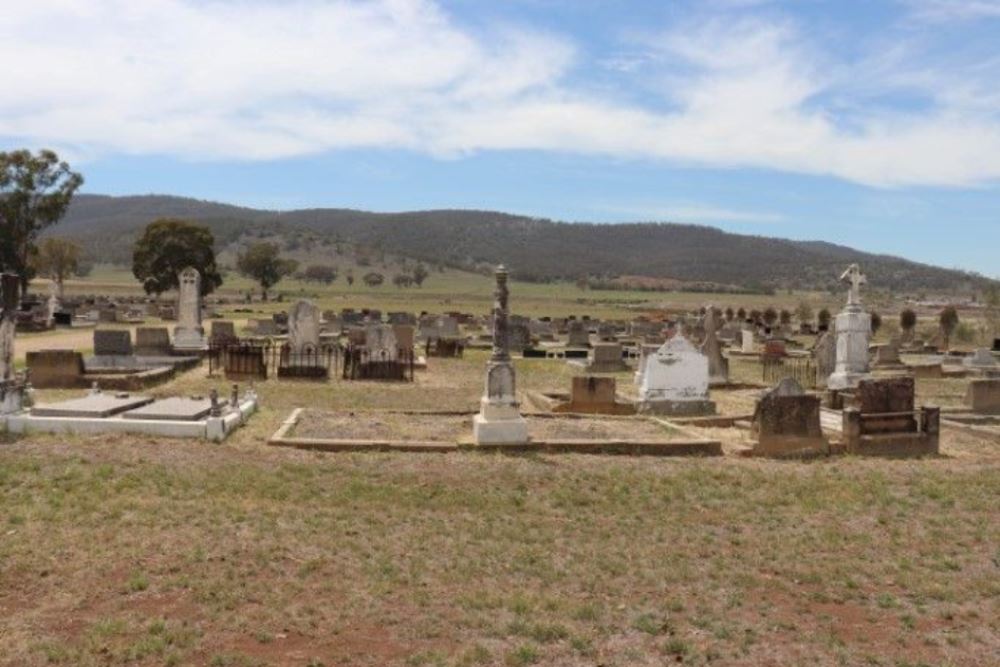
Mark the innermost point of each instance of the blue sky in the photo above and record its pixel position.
(873, 124)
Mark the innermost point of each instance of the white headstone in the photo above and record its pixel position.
(853, 326)
(303, 327)
(747, 342)
(675, 380)
(189, 334)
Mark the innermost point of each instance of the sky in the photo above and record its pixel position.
(871, 123)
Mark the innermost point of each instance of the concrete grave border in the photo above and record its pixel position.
(693, 446)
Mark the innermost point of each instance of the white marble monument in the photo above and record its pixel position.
(853, 326)
(189, 335)
(499, 421)
(675, 381)
(303, 327)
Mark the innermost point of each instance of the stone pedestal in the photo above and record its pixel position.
(853, 330)
(499, 421)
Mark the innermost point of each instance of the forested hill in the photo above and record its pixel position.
(535, 249)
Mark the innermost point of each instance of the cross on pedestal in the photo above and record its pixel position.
(854, 276)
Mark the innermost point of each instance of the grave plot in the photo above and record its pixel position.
(177, 417)
(450, 431)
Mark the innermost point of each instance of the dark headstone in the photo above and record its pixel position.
(112, 342)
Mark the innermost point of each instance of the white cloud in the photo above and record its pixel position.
(258, 80)
(954, 9)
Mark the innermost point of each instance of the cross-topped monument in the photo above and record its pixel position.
(853, 329)
(854, 276)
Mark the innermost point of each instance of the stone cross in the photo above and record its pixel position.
(501, 345)
(854, 276)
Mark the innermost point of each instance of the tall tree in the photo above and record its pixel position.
(57, 259)
(35, 191)
(907, 322)
(262, 262)
(948, 319)
(420, 274)
(166, 248)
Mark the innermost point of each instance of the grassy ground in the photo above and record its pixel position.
(124, 550)
(130, 550)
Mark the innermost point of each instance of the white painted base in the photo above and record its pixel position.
(212, 428)
(499, 432)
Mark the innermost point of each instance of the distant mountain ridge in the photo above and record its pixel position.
(536, 249)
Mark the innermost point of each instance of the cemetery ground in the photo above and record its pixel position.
(134, 550)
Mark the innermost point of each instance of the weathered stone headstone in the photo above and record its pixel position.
(786, 422)
(499, 421)
(112, 342)
(303, 327)
(981, 396)
(56, 368)
(748, 346)
(606, 358)
(222, 330)
(189, 334)
(578, 335)
(9, 286)
(826, 357)
(152, 342)
(380, 340)
(853, 326)
(404, 334)
(718, 365)
(675, 381)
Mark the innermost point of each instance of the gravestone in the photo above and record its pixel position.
(266, 327)
(303, 327)
(786, 423)
(499, 421)
(189, 335)
(718, 365)
(380, 341)
(887, 355)
(56, 368)
(825, 355)
(748, 346)
(222, 330)
(981, 360)
(606, 358)
(112, 342)
(675, 381)
(590, 394)
(578, 335)
(981, 396)
(404, 334)
(10, 285)
(519, 336)
(152, 342)
(853, 326)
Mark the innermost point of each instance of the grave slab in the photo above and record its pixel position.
(175, 408)
(93, 406)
